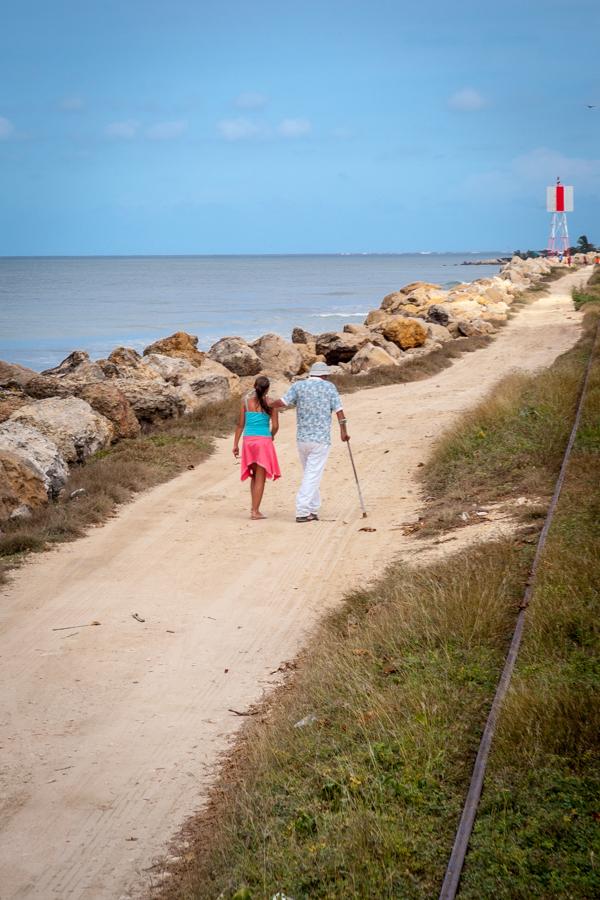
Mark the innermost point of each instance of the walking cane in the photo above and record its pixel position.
(360, 496)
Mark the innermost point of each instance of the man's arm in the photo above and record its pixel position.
(288, 399)
(343, 430)
(336, 407)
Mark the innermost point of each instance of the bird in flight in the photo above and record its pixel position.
(591, 106)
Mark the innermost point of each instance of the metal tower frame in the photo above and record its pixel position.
(558, 242)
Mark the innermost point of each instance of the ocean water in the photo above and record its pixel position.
(50, 306)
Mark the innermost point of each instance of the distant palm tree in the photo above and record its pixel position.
(583, 245)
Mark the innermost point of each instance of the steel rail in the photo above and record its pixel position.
(469, 812)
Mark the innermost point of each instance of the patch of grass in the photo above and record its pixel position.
(538, 832)
(363, 800)
(591, 292)
(555, 273)
(511, 443)
(113, 476)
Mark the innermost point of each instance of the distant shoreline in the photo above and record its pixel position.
(496, 261)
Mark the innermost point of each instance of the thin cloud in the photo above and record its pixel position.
(527, 176)
(238, 129)
(166, 131)
(467, 100)
(294, 128)
(546, 163)
(72, 104)
(251, 100)
(7, 129)
(125, 131)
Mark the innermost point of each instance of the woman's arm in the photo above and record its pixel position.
(238, 431)
(274, 421)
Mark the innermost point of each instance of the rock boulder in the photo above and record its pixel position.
(393, 349)
(212, 384)
(38, 451)
(196, 386)
(216, 368)
(300, 336)
(30, 382)
(123, 358)
(376, 317)
(110, 402)
(424, 350)
(438, 314)
(11, 401)
(173, 370)
(21, 485)
(406, 332)
(439, 333)
(420, 285)
(370, 357)
(278, 356)
(77, 430)
(422, 297)
(340, 348)
(475, 327)
(354, 328)
(309, 356)
(391, 302)
(77, 368)
(152, 400)
(236, 355)
(179, 345)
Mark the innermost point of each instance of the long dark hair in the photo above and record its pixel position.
(261, 387)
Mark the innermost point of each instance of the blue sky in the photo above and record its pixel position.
(237, 127)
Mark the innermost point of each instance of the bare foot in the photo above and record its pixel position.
(257, 515)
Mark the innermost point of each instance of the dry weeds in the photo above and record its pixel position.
(509, 445)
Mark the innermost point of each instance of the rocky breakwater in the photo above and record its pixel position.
(420, 317)
(61, 417)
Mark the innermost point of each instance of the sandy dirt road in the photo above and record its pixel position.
(109, 734)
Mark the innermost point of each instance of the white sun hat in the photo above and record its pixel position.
(319, 369)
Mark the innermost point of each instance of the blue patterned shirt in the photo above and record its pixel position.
(315, 400)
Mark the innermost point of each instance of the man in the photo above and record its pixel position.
(315, 400)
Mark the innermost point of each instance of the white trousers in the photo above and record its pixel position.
(313, 457)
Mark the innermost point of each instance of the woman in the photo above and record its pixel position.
(260, 423)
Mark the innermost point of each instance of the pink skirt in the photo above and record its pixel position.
(259, 451)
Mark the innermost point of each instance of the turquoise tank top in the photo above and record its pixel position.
(257, 424)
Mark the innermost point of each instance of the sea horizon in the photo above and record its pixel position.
(491, 253)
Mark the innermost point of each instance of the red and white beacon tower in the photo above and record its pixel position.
(559, 201)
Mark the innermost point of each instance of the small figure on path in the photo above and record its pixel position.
(259, 422)
(315, 400)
